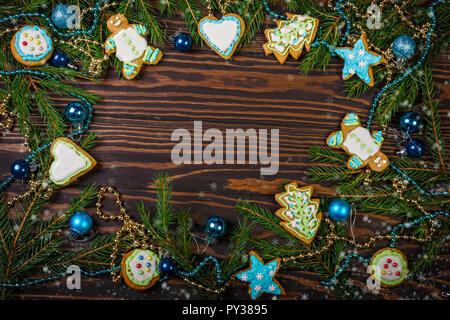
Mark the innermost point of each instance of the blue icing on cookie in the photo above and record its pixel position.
(129, 68)
(141, 29)
(110, 44)
(358, 60)
(230, 49)
(378, 136)
(335, 140)
(351, 119)
(261, 277)
(30, 57)
(355, 162)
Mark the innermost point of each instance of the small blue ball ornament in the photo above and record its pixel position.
(167, 267)
(339, 209)
(80, 223)
(20, 169)
(183, 42)
(216, 227)
(76, 112)
(59, 59)
(403, 47)
(61, 15)
(415, 148)
(410, 122)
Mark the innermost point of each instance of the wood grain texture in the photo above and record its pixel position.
(135, 121)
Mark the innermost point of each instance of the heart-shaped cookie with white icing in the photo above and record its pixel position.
(222, 35)
(70, 162)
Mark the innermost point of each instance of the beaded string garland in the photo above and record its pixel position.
(140, 237)
(426, 32)
(94, 69)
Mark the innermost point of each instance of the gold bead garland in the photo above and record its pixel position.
(138, 234)
(5, 114)
(38, 186)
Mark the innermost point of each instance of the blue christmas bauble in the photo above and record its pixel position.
(80, 223)
(76, 112)
(339, 209)
(61, 14)
(215, 227)
(410, 122)
(167, 266)
(415, 148)
(20, 169)
(403, 47)
(59, 59)
(183, 42)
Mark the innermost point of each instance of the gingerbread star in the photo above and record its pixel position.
(359, 60)
(261, 276)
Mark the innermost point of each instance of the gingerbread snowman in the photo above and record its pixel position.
(129, 43)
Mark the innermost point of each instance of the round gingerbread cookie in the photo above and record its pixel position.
(389, 266)
(32, 46)
(140, 269)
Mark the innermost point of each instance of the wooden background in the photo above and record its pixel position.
(135, 121)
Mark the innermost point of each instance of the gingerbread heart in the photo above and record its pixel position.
(222, 35)
(70, 162)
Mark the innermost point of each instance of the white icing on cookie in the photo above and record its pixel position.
(221, 34)
(143, 266)
(68, 161)
(390, 268)
(33, 42)
(359, 141)
(130, 45)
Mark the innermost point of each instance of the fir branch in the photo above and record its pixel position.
(433, 133)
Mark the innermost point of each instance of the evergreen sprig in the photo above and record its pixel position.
(172, 230)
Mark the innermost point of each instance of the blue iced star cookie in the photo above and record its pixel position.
(359, 60)
(261, 277)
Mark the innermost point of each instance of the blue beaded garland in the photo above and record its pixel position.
(59, 59)
(339, 209)
(215, 227)
(410, 122)
(415, 148)
(76, 112)
(167, 267)
(81, 223)
(403, 47)
(20, 169)
(61, 14)
(183, 42)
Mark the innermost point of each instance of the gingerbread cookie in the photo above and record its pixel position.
(357, 141)
(389, 267)
(359, 60)
(261, 276)
(222, 35)
(140, 269)
(130, 46)
(299, 212)
(70, 162)
(32, 46)
(289, 37)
